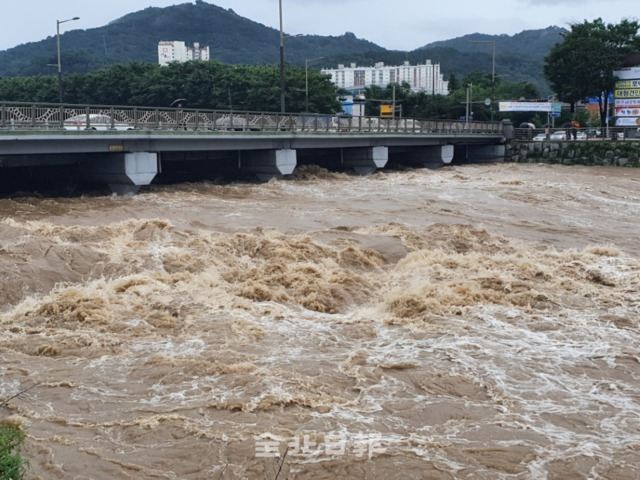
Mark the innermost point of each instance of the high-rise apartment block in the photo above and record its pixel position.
(179, 52)
(422, 78)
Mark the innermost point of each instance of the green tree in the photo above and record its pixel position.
(454, 84)
(583, 64)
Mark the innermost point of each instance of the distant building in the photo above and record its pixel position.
(179, 52)
(422, 78)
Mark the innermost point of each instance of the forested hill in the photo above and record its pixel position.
(232, 39)
(236, 40)
(532, 43)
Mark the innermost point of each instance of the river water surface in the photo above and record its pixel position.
(472, 322)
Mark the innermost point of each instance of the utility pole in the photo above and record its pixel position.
(394, 100)
(58, 22)
(493, 72)
(282, 107)
(469, 103)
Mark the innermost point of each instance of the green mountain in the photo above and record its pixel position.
(236, 40)
(532, 43)
(134, 37)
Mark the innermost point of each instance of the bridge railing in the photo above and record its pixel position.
(42, 116)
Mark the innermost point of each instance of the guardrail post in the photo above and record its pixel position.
(3, 119)
(113, 120)
(88, 119)
(33, 116)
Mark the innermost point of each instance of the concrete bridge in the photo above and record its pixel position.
(127, 148)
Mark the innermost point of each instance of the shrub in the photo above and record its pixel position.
(11, 462)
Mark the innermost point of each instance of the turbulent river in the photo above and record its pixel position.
(472, 322)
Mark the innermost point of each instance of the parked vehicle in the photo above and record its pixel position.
(581, 135)
(559, 135)
(540, 137)
(97, 121)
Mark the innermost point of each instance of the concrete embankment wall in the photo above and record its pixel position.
(592, 152)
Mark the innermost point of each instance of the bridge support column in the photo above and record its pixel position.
(430, 157)
(485, 153)
(268, 164)
(365, 160)
(124, 173)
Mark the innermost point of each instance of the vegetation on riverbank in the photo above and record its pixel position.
(12, 464)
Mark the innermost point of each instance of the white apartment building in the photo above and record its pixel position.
(426, 78)
(179, 52)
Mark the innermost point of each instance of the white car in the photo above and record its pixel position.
(559, 135)
(540, 137)
(97, 121)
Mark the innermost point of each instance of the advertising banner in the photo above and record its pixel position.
(627, 92)
(627, 112)
(627, 103)
(627, 122)
(526, 107)
(628, 73)
(628, 84)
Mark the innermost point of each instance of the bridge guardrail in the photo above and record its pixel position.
(568, 134)
(42, 116)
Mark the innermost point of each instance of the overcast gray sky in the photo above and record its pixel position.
(397, 24)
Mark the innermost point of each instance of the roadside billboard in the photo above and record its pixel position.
(627, 97)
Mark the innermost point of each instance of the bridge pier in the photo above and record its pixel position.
(124, 173)
(430, 157)
(365, 160)
(485, 153)
(268, 164)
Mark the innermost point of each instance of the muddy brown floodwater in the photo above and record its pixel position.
(476, 322)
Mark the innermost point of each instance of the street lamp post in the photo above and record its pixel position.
(493, 72)
(58, 22)
(282, 107)
(306, 79)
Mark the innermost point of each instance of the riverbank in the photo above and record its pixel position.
(592, 152)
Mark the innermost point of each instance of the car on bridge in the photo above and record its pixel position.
(559, 135)
(97, 121)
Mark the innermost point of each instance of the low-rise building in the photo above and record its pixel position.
(422, 78)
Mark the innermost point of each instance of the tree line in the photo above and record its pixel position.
(214, 85)
(210, 85)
